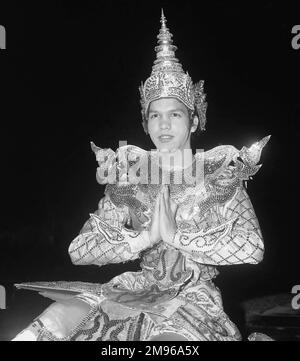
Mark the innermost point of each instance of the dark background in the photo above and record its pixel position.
(70, 74)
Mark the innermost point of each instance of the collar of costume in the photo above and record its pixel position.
(168, 80)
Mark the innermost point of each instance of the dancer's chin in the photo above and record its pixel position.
(167, 150)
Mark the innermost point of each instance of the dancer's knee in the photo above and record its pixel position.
(168, 336)
(61, 318)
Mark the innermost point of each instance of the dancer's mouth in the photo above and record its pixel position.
(165, 138)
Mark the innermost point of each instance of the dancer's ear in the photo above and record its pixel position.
(195, 124)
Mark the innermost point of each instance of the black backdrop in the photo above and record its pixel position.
(70, 74)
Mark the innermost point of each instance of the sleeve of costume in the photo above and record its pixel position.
(104, 239)
(236, 240)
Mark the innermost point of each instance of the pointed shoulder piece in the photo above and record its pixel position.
(248, 158)
(241, 164)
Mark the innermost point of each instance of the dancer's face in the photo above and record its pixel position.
(169, 125)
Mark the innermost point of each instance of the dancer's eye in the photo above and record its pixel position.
(153, 116)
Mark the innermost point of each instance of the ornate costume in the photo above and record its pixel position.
(174, 291)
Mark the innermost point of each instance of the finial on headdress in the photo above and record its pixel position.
(163, 19)
(165, 50)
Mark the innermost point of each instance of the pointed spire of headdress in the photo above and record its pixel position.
(165, 50)
(168, 80)
(163, 20)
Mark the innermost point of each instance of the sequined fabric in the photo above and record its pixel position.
(174, 291)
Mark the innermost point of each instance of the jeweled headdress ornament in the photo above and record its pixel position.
(168, 80)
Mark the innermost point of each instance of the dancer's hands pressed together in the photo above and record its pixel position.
(163, 222)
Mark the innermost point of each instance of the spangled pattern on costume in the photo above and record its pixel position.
(174, 290)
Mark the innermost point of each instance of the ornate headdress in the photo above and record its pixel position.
(168, 80)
